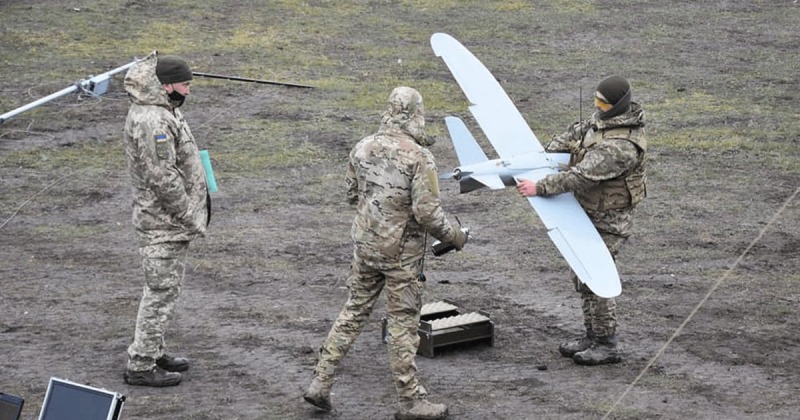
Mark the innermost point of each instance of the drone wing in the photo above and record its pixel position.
(490, 105)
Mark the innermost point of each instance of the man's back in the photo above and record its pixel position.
(383, 167)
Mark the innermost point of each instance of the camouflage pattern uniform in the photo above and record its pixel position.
(606, 173)
(170, 203)
(392, 180)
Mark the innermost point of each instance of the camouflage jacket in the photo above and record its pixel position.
(393, 182)
(606, 170)
(170, 196)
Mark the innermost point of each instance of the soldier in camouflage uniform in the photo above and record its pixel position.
(607, 174)
(392, 179)
(171, 206)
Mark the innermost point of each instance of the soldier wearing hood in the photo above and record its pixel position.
(392, 181)
(171, 206)
(607, 175)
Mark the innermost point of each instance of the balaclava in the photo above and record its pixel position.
(615, 91)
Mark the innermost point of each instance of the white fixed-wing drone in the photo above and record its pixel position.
(521, 157)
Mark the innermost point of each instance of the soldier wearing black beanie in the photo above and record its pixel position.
(171, 208)
(172, 70)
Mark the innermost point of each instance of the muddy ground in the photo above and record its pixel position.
(708, 314)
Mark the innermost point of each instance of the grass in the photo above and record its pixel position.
(90, 156)
(275, 48)
(266, 144)
(311, 43)
(70, 232)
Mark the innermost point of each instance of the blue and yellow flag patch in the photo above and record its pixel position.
(163, 146)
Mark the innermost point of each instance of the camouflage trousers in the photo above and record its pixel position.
(600, 314)
(163, 266)
(404, 301)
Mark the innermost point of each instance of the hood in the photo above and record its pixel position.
(142, 84)
(406, 113)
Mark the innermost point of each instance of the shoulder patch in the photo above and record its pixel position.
(433, 182)
(163, 146)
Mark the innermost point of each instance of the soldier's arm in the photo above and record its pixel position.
(425, 201)
(352, 183)
(608, 160)
(157, 156)
(563, 142)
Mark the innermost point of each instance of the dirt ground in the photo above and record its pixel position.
(708, 314)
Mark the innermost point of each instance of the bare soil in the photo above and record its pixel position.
(708, 314)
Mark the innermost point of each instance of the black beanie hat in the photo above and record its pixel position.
(172, 69)
(617, 92)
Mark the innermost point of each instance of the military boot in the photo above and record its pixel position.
(420, 409)
(576, 345)
(156, 376)
(602, 352)
(318, 393)
(172, 364)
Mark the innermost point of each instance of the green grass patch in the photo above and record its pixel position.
(71, 232)
(711, 138)
(258, 144)
(90, 156)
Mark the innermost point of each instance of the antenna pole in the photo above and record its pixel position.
(249, 80)
(97, 85)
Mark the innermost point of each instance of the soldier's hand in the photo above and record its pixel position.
(460, 238)
(188, 220)
(526, 187)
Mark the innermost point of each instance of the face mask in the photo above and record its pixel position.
(176, 98)
(622, 106)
